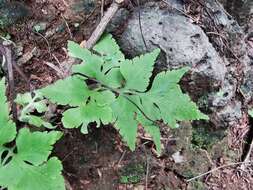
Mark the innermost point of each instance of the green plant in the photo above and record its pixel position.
(132, 173)
(30, 104)
(107, 88)
(250, 112)
(24, 165)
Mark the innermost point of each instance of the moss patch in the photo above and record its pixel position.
(196, 185)
(204, 138)
(132, 173)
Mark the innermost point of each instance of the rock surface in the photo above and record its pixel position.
(213, 80)
(12, 12)
(219, 80)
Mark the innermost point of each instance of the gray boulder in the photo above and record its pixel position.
(211, 81)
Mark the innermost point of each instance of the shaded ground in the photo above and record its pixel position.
(99, 161)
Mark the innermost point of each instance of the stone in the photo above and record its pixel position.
(77, 9)
(214, 80)
(12, 13)
(183, 43)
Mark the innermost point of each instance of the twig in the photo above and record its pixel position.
(67, 25)
(17, 68)
(247, 158)
(22, 74)
(218, 168)
(67, 184)
(226, 45)
(5, 51)
(103, 23)
(140, 25)
(102, 8)
(225, 11)
(121, 158)
(147, 167)
(54, 67)
(48, 44)
(147, 174)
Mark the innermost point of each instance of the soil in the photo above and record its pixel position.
(100, 161)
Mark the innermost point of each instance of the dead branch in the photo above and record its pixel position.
(6, 52)
(103, 23)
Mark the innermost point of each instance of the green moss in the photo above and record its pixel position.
(197, 185)
(203, 137)
(132, 173)
(188, 173)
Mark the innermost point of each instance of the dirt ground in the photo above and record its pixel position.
(100, 161)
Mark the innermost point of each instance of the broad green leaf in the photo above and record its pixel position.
(138, 71)
(179, 109)
(85, 114)
(154, 132)
(28, 167)
(37, 146)
(124, 116)
(103, 98)
(72, 118)
(18, 175)
(31, 103)
(40, 106)
(37, 121)
(75, 50)
(70, 91)
(166, 80)
(111, 54)
(24, 99)
(104, 68)
(112, 78)
(7, 127)
(166, 94)
(112, 50)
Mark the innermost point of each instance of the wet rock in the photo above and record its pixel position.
(12, 12)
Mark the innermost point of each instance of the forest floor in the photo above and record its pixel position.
(100, 161)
